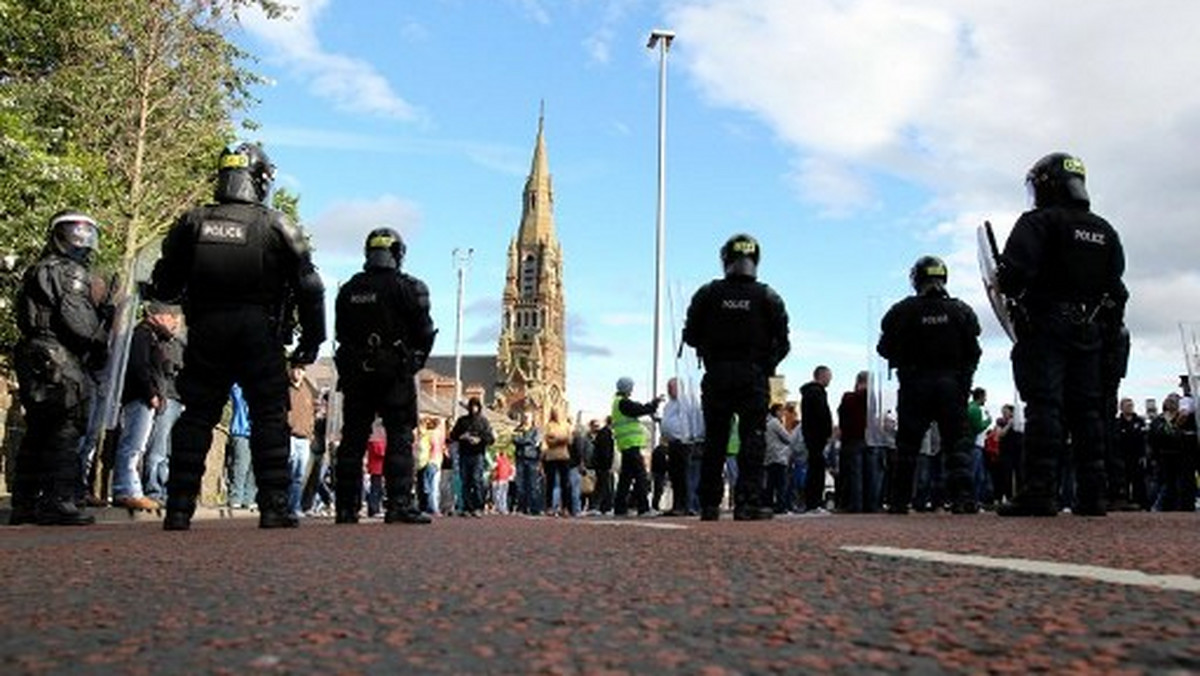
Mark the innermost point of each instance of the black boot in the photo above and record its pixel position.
(24, 510)
(901, 471)
(1089, 492)
(273, 511)
(1029, 504)
(962, 500)
(179, 512)
(61, 512)
(401, 510)
(753, 512)
(348, 501)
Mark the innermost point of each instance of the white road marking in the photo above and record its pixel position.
(1099, 573)
(636, 524)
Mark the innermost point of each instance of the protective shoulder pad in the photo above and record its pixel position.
(293, 234)
(74, 277)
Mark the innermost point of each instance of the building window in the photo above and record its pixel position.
(529, 276)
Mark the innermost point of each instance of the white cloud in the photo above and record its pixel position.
(341, 229)
(961, 97)
(535, 10)
(351, 84)
(834, 186)
(597, 46)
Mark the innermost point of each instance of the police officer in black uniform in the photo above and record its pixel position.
(384, 334)
(739, 327)
(1062, 268)
(64, 337)
(932, 341)
(241, 270)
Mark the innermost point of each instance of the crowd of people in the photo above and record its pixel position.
(242, 274)
(1156, 469)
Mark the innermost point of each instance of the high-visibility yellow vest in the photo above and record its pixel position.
(627, 432)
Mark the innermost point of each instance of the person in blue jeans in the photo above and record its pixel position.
(142, 398)
(301, 426)
(527, 449)
(158, 448)
(240, 480)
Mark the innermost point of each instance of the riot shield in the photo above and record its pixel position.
(881, 389)
(1189, 333)
(989, 253)
(106, 408)
(687, 373)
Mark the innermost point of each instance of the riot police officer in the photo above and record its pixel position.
(1062, 267)
(384, 334)
(739, 328)
(932, 341)
(241, 270)
(64, 337)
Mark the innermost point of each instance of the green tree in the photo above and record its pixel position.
(118, 108)
(287, 202)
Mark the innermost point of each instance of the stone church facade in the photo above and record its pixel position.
(531, 358)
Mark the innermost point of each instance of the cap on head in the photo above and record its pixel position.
(74, 234)
(384, 248)
(1058, 179)
(625, 385)
(740, 255)
(928, 273)
(244, 174)
(158, 307)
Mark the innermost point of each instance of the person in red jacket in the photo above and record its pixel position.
(376, 446)
(501, 476)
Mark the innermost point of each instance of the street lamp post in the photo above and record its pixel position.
(662, 40)
(462, 258)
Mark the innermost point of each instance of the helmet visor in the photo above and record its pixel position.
(79, 232)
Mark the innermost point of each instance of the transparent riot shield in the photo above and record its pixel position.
(882, 389)
(686, 371)
(106, 407)
(1189, 333)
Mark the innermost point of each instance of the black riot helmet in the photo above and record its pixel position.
(74, 234)
(739, 256)
(384, 249)
(1057, 180)
(244, 174)
(928, 274)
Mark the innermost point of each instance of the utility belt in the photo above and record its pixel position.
(1079, 313)
(377, 357)
(742, 363)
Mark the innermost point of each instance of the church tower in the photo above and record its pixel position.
(531, 360)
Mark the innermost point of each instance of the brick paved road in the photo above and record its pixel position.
(517, 595)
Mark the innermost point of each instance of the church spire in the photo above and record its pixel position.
(537, 216)
(531, 358)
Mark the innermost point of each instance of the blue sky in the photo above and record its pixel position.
(849, 136)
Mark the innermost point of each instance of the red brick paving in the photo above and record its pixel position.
(552, 596)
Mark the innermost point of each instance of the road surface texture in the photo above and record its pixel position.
(845, 594)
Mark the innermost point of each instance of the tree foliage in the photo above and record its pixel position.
(118, 108)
